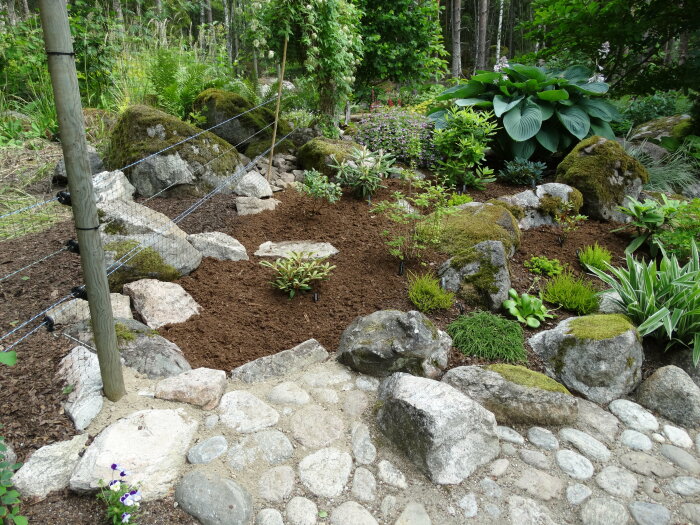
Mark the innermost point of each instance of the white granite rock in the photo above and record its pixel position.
(160, 303)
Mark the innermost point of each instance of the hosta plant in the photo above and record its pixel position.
(297, 272)
(527, 309)
(537, 108)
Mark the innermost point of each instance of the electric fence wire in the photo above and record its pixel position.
(45, 258)
(37, 316)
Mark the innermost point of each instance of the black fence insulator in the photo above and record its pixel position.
(79, 292)
(73, 247)
(50, 323)
(401, 268)
(316, 296)
(64, 197)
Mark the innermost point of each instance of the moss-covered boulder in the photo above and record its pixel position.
(676, 126)
(515, 394)
(151, 244)
(219, 106)
(604, 174)
(194, 167)
(260, 147)
(539, 206)
(599, 356)
(316, 154)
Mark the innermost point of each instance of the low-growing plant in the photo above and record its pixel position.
(9, 497)
(567, 220)
(320, 189)
(594, 256)
(297, 272)
(527, 309)
(686, 229)
(571, 292)
(483, 334)
(522, 171)
(457, 199)
(673, 172)
(462, 144)
(661, 298)
(364, 170)
(426, 294)
(649, 218)
(544, 266)
(123, 500)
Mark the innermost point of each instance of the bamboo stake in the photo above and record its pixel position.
(277, 110)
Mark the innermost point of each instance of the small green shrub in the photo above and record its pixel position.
(527, 309)
(650, 218)
(426, 294)
(297, 271)
(457, 199)
(594, 256)
(320, 189)
(490, 336)
(544, 266)
(649, 107)
(572, 293)
(364, 170)
(9, 498)
(522, 172)
(679, 239)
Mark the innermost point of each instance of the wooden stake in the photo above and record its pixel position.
(277, 110)
(59, 48)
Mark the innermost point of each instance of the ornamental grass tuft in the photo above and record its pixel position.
(483, 334)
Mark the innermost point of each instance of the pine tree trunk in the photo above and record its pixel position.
(11, 12)
(500, 30)
(456, 38)
(683, 49)
(227, 29)
(481, 34)
(25, 6)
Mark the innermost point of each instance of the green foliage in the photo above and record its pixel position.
(527, 309)
(417, 219)
(645, 108)
(672, 173)
(544, 266)
(9, 498)
(122, 500)
(462, 141)
(522, 171)
(297, 272)
(406, 135)
(567, 219)
(662, 298)
(686, 230)
(595, 256)
(572, 293)
(402, 41)
(319, 189)
(457, 199)
(649, 218)
(538, 109)
(426, 294)
(489, 336)
(363, 171)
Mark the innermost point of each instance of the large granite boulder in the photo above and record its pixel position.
(445, 433)
(389, 341)
(158, 303)
(150, 444)
(605, 175)
(282, 363)
(673, 394)
(480, 277)
(218, 245)
(151, 245)
(193, 167)
(140, 348)
(599, 356)
(515, 394)
(80, 372)
(318, 154)
(676, 126)
(253, 125)
(540, 205)
(202, 387)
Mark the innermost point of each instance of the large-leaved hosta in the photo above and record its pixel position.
(537, 108)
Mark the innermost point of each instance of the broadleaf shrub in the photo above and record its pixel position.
(483, 334)
(297, 272)
(426, 294)
(522, 171)
(320, 189)
(572, 293)
(686, 230)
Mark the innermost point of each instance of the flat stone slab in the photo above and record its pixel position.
(78, 310)
(326, 472)
(253, 205)
(282, 363)
(218, 245)
(214, 500)
(245, 413)
(202, 387)
(160, 303)
(315, 250)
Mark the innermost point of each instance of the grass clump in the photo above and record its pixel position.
(595, 256)
(544, 266)
(490, 336)
(572, 293)
(426, 294)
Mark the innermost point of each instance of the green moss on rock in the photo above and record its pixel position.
(316, 153)
(591, 167)
(517, 211)
(600, 326)
(123, 333)
(260, 146)
(471, 225)
(145, 264)
(526, 377)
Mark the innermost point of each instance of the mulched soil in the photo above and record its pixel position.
(242, 317)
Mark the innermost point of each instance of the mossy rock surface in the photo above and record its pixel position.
(219, 106)
(674, 126)
(600, 326)
(316, 154)
(147, 263)
(604, 174)
(261, 146)
(526, 377)
(199, 164)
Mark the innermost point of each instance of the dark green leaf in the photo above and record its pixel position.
(523, 150)
(478, 102)
(602, 129)
(523, 121)
(461, 91)
(553, 95)
(577, 74)
(599, 109)
(486, 76)
(501, 104)
(575, 120)
(548, 137)
(592, 88)
(532, 72)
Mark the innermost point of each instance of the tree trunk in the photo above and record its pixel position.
(25, 6)
(683, 49)
(210, 18)
(117, 6)
(500, 30)
(456, 38)
(227, 29)
(483, 18)
(11, 12)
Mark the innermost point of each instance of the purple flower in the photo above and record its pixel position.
(126, 517)
(115, 466)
